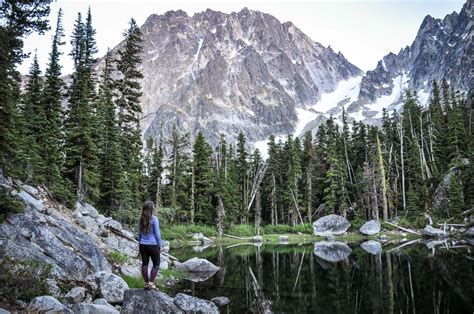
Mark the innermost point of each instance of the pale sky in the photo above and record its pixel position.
(363, 30)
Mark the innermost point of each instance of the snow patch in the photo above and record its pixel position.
(199, 49)
(344, 89)
(399, 84)
(304, 117)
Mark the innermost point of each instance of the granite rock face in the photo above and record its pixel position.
(222, 73)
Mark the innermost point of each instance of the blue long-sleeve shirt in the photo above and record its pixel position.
(153, 237)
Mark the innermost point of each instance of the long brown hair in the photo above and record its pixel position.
(146, 216)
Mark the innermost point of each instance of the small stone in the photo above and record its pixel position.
(220, 301)
(257, 239)
(76, 295)
(283, 239)
(113, 224)
(198, 236)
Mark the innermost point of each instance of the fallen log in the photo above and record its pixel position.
(404, 244)
(403, 229)
(234, 237)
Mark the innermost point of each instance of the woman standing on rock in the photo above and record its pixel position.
(149, 240)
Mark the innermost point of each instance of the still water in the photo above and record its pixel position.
(341, 278)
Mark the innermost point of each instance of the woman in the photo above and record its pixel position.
(149, 240)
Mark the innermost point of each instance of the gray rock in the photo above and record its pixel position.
(330, 225)
(54, 240)
(197, 265)
(76, 295)
(30, 200)
(372, 247)
(198, 236)
(164, 265)
(88, 223)
(470, 232)
(30, 190)
(332, 251)
(148, 301)
(220, 301)
(370, 227)
(113, 224)
(82, 308)
(111, 287)
(164, 246)
(87, 210)
(206, 241)
(191, 304)
(283, 239)
(101, 219)
(47, 303)
(131, 271)
(102, 301)
(257, 239)
(430, 231)
(5, 182)
(3, 311)
(198, 276)
(112, 242)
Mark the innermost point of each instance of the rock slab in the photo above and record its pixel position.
(148, 301)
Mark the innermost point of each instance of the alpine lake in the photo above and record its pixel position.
(417, 276)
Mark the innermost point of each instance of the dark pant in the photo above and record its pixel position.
(147, 251)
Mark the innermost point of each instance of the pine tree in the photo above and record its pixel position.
(51, 141)
(35, 123)
(19, 18)
(242, 173)
(81, 166)
(128, 103)
(203, 180)
(111, 165)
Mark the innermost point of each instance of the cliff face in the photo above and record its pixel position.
(223, 73)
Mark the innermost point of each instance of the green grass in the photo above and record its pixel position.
(184, 232)
(117, 257)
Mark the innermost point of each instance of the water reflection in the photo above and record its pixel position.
(340, 278)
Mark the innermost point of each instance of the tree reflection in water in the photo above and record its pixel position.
(291, 279)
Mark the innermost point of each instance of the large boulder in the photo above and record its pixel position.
(87, 210)
(332, 251)
(432, 232)
(111, 287)
(330, 225)
(46, 303)
(197, 265)
(53, 239)
(191, 304)
(87, 308)
(372, 247)
(148, 301)
(440, 196)
(76, 295)
(370, 227)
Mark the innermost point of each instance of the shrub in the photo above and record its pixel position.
(117, 257)
(243, 230)
(185, 231)
(23, 280)
(8, 205)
